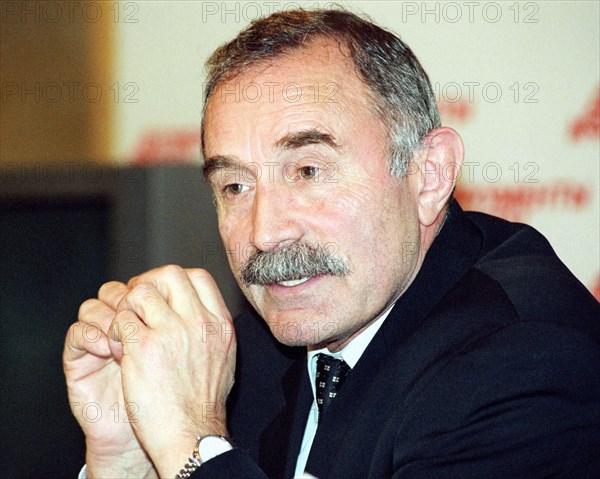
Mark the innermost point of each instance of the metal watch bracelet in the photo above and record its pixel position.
(192, 464)
(195, 460)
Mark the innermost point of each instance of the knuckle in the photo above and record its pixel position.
(119, 323)
(122, 317)
(87, 308)
(172, 271)
(200, 275)
(169, 273)
(109, 288)
(143, 293)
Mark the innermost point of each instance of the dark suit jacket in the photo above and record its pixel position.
(488, 366)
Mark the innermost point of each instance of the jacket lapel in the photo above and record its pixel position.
(281, 440)
(364, 402)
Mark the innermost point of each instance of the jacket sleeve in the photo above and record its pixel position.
(522, 402)
(234, 464)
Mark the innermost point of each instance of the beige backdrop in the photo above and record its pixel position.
(519, 81)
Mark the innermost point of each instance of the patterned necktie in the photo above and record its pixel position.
(331, 374)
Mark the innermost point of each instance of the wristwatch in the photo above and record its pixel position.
(206, 448)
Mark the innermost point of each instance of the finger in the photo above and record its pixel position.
(83, 338)
(175, 287)
(88, 334)
(148, 304)
(125, 331)
(209, 293)
(112, 292)
(97, 313)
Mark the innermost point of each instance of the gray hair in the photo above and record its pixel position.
(401, 93)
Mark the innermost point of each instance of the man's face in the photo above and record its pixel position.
(297, 156)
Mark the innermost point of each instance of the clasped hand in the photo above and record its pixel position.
(161, 349)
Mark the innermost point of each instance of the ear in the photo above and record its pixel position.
(440, 162)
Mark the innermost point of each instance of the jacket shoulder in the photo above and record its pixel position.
(537, 283)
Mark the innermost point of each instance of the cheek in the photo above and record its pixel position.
(231, 243)
(225, 230)
(392, 230)
(353, 211)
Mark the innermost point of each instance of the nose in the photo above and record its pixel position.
(275, 221)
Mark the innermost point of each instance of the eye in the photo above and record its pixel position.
(308, 172)
(235, 189)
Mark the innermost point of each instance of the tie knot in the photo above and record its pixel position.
(331, 374)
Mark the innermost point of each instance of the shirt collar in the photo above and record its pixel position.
(351, 353)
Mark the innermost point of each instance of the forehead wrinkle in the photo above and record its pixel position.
(325, 110)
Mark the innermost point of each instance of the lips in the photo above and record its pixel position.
(294, 282)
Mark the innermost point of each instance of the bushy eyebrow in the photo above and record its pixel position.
(217, 163)
(298, 139)
(291, 141)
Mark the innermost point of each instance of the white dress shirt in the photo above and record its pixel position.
(350, 354)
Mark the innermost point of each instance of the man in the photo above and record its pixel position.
(468, 349)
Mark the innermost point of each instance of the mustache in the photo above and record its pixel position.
(291, 262)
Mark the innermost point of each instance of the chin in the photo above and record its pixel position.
(293, 342)
(301, 331)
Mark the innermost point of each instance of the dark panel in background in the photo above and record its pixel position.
(53, 257)
(59, 241)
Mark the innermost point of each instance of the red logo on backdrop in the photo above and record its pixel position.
(516, 203)
(168, 146)
(587, 125)
(460, 111)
